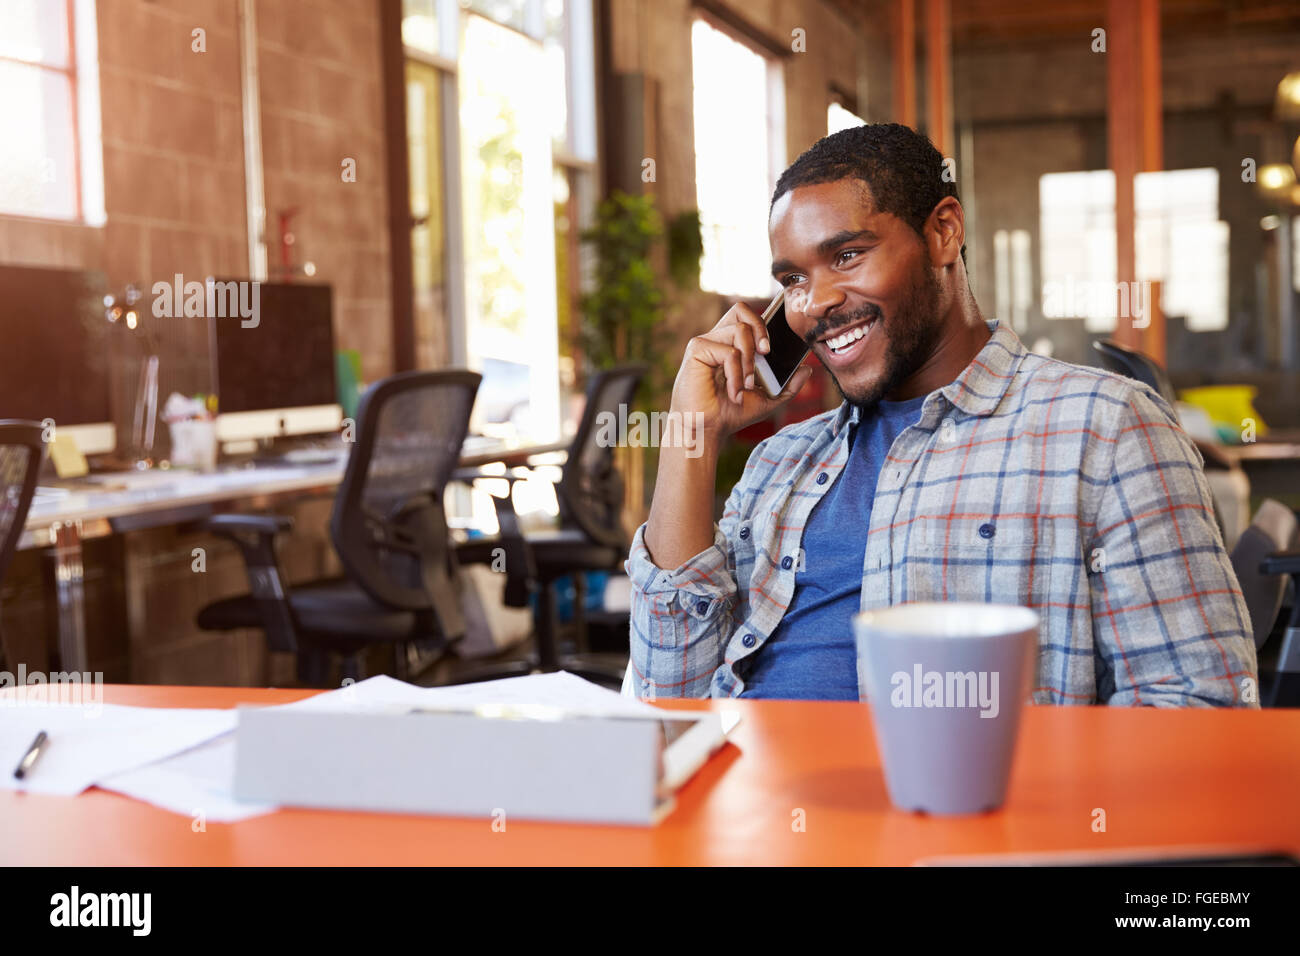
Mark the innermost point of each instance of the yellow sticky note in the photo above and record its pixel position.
(68, 460)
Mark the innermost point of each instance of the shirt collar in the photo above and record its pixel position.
(976, 391)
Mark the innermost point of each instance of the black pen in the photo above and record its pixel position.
(29, 758)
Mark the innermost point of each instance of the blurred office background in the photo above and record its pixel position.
(441, 166)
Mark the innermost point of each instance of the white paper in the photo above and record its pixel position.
(561, 691)
(196, 783)
(87, 744)
(201, 781)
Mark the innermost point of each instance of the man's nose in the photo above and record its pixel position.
(823, 297)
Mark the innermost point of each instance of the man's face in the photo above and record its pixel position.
(860, 288)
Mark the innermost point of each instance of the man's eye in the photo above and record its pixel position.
(790, 280)
(842, 257)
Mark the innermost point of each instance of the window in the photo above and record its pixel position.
(51, 160)
(1295, 253)
(420, 25)
(501, 129)
(1179, 241)
(739, 151)
(1012, 277)
(502, 147)
(838, 117)
(428, 212)
(509, 225)
(1077, 233)
(510, 13)
(1182, 243)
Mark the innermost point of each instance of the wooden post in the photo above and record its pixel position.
(1133, 124)
(938, 72)
(401, 276)
(904, 61)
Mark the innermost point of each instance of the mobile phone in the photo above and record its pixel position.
(786, 350)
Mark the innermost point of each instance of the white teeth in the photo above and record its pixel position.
(841, 342)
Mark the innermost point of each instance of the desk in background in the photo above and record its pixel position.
(153, 499)
(1273, 466)
(1210, 779)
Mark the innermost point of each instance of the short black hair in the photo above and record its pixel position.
(900, 166)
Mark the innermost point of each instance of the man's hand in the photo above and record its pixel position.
(717, 391)
(717, 379)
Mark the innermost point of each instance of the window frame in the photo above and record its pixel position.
(82, 74)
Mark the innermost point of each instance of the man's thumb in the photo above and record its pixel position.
(797, 381)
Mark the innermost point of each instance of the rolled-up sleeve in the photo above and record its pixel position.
(1170, 625)
(681, 619)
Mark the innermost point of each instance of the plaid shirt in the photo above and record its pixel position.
(1026, 481)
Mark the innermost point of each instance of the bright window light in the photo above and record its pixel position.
(838, 118)
(509, 226)
(1077, 237)
(1182, 243)
(1179, 241)
(733, 168)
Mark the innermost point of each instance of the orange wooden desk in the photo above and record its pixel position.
(1230, 779)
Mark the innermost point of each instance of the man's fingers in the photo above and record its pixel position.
(735, 377)
(740, 315)
(754, 326)
(743, 339)
(720, 355)
(797, 381)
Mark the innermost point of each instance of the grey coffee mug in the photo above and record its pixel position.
(946, 682)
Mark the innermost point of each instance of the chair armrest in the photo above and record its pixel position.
(520, 566)
(227, 525)
(254, 536)
(470, 475)
(1281, 562)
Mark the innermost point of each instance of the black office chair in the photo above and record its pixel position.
(21, 453)
(1137, 365)
(390, 531)
(1134, 364)
(590, 536)
(1265, 560)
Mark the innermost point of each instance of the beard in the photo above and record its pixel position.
(911, 334)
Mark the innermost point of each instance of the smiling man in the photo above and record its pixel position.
(958, 467)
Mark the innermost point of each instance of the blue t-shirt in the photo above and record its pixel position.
(812, 654)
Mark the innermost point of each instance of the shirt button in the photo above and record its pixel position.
(987, 531)
(822, 478)
(744, 532)
(749, 640)
(702, 608)
(787, 562)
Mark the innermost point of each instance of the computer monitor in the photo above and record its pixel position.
(274, 372)
(54, 355)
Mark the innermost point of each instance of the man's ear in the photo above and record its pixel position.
(945, 232)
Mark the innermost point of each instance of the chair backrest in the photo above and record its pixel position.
(388, 524)
(21, 452)
(1134, 364)
(590, 491)
(1274, 529)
